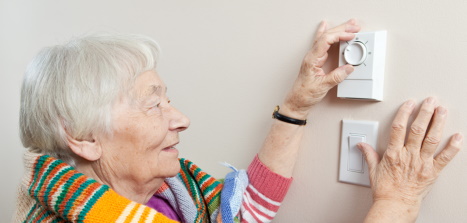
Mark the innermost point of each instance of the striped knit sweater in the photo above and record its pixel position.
(53, 191)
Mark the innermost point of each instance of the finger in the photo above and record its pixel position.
(325, 38)
(371, 157)
(349, 26)
(449, 152)
(433, 138)
(399, 126)
(419, 126)
(338, 75)
(322, 27)
(324, 42)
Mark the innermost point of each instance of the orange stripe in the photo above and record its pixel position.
(41, 172)
(207, 183)
(132, 214)
(160, 218)
(215, 192)
(70, 193)
(39, 215)
(145, 214)
(84, 196)
(52, 175)
(164, 187)
(108, 208)
(59, 183)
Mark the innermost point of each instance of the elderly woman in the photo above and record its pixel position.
(102, 139)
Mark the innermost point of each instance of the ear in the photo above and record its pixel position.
(88, 149)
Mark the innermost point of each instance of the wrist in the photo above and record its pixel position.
(393, 211)
(293, 112)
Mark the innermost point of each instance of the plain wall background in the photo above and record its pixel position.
(228, 63)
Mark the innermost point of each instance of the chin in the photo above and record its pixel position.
(171, 170)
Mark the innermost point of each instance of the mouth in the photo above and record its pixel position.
(170, 148)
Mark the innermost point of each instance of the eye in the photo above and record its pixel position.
(168, 100)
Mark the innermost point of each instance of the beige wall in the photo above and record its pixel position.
(228, 63)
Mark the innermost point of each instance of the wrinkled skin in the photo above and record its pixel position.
(408, 168)
(312, 83)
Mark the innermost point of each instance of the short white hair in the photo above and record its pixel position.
(72, 88)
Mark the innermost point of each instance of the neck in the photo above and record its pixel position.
(133, 189)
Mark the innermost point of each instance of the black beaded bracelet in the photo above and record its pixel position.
(278, 116)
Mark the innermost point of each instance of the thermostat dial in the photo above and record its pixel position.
(355, 53)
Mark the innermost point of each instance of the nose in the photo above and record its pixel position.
(178, 122)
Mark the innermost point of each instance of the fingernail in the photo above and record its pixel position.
(349, 69)
(430, 100)
(441, 110)
(359, 146)
(410, 103)
(458, 137)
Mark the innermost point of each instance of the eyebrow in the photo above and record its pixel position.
(154, 89)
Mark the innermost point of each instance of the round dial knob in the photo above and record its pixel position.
(355, 53)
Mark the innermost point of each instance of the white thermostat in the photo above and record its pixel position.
(367, 53)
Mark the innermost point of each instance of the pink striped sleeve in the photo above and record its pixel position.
(264, 194)
(270, 184)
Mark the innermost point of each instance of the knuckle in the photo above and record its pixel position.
(336, 78)
(417, 130)
(328, 38)
(427, 109)
(392, 155)
(426, 174)
(444, 158)
(398, 127)
(432, 140)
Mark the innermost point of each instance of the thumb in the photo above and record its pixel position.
(371, 157)
(338, 75)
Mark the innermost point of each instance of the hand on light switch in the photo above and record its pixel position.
(408, 168)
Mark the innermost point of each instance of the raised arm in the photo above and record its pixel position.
(280, 149)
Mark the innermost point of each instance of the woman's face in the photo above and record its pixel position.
(145, 134)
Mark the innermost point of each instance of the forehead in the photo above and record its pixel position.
(149, 83)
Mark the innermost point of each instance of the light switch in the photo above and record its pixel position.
(353, 168)
(367, 53)
(355, 160)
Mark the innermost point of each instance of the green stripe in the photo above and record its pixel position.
(58, 176)
(87, 207)
(66, 189)
(192, 189)
(37, 167)
(214, 204)
(76, 194)
(211, 187)
(30, 212)
(45, 174)
(46, 213)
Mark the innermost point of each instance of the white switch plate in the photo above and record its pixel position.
(367, 52)
(353, 168)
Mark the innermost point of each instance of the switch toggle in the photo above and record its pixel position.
(353, 168)
(355, 160)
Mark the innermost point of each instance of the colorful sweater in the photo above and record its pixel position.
(53, 191)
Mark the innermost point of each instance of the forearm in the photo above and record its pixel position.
(383, 211)
(280, 149)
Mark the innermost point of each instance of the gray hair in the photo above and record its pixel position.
(72, 88)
